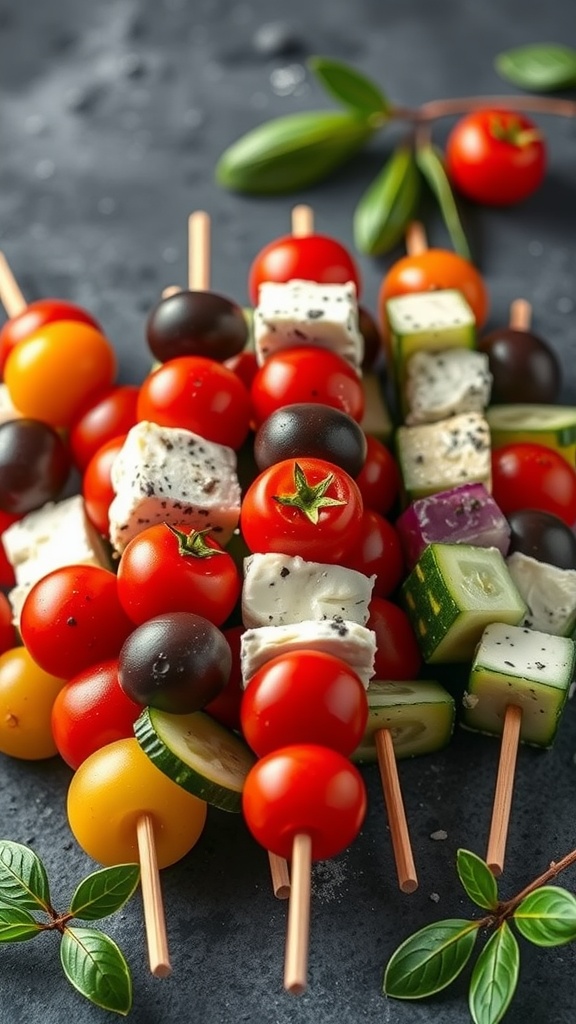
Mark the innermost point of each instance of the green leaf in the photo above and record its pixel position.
(96, 967)
(388, 205)
(430, 959)
(477, 879)
(494, 977)
(23, 878)
(17, 925)
(349, 86)
(547, 917)
(542, 68)
(292, 152)
(104, 892)
(431, 164)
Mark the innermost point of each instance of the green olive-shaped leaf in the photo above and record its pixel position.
(95, 966)
(477, 879)
(431, 164)
(547, 917)
(104, 891)
(494, 977)
(541, 68)
(430, 959)
(17, 925)
(388, 205)
(349, 86)
(290, 153)
(23, 878)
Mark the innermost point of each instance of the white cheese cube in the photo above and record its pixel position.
(442, 384)
(306, 313)
(280, 589)
(354, 644)
(549, 592)
(170, 475)
(434, 457)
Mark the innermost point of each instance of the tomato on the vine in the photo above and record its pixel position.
(397, 652)
(305, 507)
(36, 315)
(307, 374)
(532, 476)
(107, 416)
(432, 270)
(497, 157)
(377, 552)
(379, 478)
(307, 258)
(97, 489)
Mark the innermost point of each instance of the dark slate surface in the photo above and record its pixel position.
(114, 112)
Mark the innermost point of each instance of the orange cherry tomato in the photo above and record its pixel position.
(27, 695)
(36, 315)
(433, 270)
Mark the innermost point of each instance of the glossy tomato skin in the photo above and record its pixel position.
(379, 478)
(310, 258)
(225, 708)
(432, 270)
(532, 476)
(107, 416)
(27, 695)
(7, 577)
(304, 697)
(304, 788)
(303, 375)
(160, 572)
(200, 395)
(7, 631)
(268, 525)
(37, 315)
(72, 618)
(496, 157)
(97, 489)
(378, 552)
(397, 652)
(91, 711)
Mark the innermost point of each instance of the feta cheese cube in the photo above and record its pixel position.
(442, 384)
(437, 456)
(349, 641)
(549, 592)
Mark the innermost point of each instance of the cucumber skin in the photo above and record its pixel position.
(187, 778)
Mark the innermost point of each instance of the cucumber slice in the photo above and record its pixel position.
(453, 593)
(551, 425)
(198, 754)
(419, 715)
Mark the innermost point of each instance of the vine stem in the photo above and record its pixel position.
(435, 109)
(509, 906)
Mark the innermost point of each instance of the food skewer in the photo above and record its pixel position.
(11, 295)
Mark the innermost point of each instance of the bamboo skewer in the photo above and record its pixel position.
(154, 916)
(520, 317)
(399, 833)
(416, 241)
(11, 296)
(504, 789)
(298, 932)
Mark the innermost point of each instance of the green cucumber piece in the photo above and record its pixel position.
(419, 715)
(198, 754)
(551, 425)
(453, 593)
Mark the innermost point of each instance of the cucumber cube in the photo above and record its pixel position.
(453, 592)
(419, 716)
(554, 426)
(516, 665)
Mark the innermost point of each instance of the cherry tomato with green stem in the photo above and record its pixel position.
(105, 417)
(306, 374)
(532, 476)
(308, 258)
(377, 552)
(397, 652)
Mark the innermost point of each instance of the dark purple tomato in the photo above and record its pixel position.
(196, 324)
(307, 429)
(524, 367)
(543, 536)
(373, 344)
(34, 465)
(177, 662)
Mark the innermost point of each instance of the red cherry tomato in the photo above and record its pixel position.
(36, 315)
(225, 708)
(379, 478)
(245, 367)
(532, 476)
(200, 395)
(185, 571)
(310, 258)
(106, 417)
(97, 487)
(72, 618)
(273, 515)
(306, 375)
(91, 711)
(305, 697)
(7, 632)
(397, 652)
(496, 157)
(431, 270)
(7, 578)
(304, 789)
(377, 552)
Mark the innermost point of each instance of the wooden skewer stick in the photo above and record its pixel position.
(297, 938)
(302, 221)
(520, 317)
(280, 876)
(504, 789)
(172, 289)
(10, 295)
(416, 241)
(154, 917)
(199, 251)
(405, 867)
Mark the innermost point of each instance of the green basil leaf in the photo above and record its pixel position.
(104, 892)
(292, 152)
(547, 917)
(430, 959)
(96, 968)
(477, 879)
(542, 68)
(17, 925)
(23, 878)
(349, 86)
(431, 164)
(494, 977)
(388, 205)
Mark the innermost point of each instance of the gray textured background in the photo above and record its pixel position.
(113, 115)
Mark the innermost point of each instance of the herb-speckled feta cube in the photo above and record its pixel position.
(437, 456)
(442, 384)
(354, 644)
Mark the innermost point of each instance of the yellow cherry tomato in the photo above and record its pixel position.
(27, 695)
(112, 789)
(52, 373)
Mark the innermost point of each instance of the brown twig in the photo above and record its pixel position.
(435, 109)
